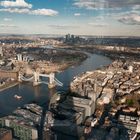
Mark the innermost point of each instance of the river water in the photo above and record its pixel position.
(41, 94)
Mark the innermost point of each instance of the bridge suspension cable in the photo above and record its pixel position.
(26, 79)
(58, 82)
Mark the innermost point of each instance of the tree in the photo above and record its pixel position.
(130, 102)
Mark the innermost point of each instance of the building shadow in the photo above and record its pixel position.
(109, 127)
(42, 133)
(65, 118)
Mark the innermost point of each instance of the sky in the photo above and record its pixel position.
(78, 17)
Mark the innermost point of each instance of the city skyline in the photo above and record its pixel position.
(79, 17)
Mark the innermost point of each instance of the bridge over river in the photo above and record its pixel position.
(35, 78)
(41, 94)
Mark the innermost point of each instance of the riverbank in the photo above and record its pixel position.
(41, 94)
(55, 60)
(113, 52)
(8, 85)
(116, 91)
(65, 64)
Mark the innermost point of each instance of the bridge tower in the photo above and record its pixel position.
(1, 52)
(36, 79)
(19, 57)
(51, 80)
(19, 77)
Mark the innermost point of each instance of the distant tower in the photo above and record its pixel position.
(19, 57)
(68, 37)
(130, 69)
(1, 52)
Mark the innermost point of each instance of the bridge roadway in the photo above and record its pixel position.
(36, 79)
(8, 74)
(14, 74)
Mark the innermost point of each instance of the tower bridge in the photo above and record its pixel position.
(1, 52)
(36, 79)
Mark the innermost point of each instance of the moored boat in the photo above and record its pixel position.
(17, 97)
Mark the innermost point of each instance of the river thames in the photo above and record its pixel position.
(41, 94)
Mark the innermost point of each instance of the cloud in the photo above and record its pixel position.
(130, 19)
(86, 4)
(7, 19)
(16, 3)
(15, 10)
(98, 24)
(8, 26)
(63, 26)
(44, 12)
(102, 4)
(77, 14)
(22, 7)
(136, 7)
